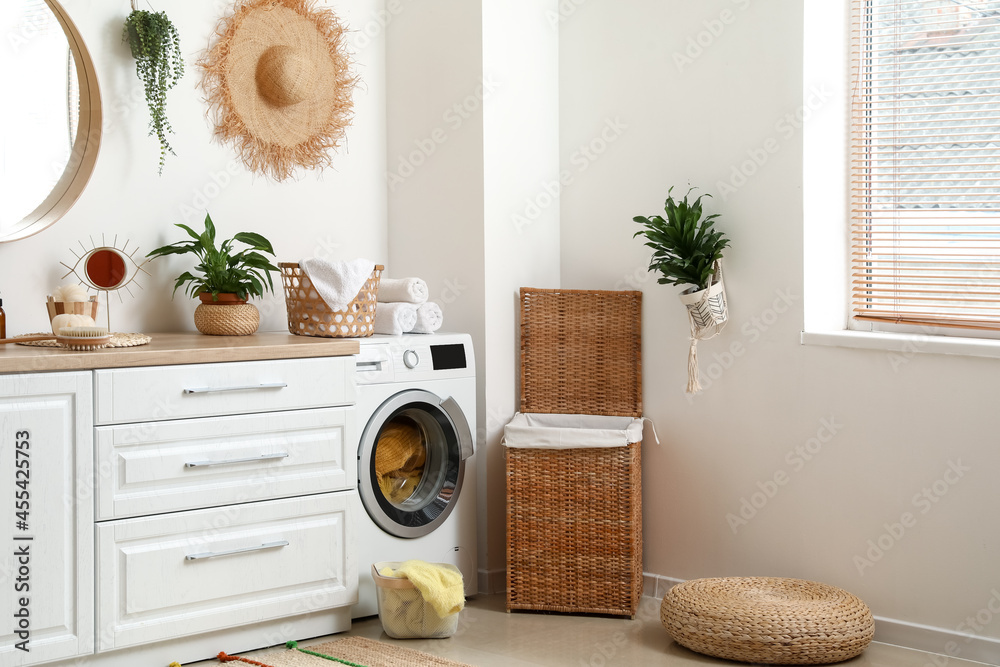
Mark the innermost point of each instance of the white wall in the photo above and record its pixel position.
(521, 170)
(340, 213)
(901, 420)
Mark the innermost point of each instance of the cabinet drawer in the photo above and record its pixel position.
(192, 572)
(157, 393)
(195, 463)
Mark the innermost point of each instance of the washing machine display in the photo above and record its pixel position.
(412, 462)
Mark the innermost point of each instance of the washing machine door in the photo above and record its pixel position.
(411, 461)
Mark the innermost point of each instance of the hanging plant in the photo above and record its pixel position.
(159, 64)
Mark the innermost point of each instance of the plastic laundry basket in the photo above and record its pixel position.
(402, 609)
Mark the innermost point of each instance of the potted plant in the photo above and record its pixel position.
(688, 251)
(159, 64)
(224, 279)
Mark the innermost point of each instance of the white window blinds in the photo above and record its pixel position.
(925, 162)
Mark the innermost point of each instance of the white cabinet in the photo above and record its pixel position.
(180, 574)
(165, 512)
(46, 518)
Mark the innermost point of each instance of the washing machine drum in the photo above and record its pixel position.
(411, 461)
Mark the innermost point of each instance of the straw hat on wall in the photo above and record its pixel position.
(278, 79)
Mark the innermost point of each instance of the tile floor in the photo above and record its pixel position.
(490, 637)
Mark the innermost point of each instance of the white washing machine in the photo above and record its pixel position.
(416, 408)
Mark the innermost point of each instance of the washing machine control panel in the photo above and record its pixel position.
(413, 358)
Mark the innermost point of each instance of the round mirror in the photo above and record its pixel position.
(105, 268)
(50, 128)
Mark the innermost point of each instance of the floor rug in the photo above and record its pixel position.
(356, 651)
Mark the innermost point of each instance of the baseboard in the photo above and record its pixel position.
(939, 641)
(946, 643)
(492, 582)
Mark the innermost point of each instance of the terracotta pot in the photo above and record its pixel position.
(224, 298)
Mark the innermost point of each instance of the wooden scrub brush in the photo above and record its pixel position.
(74, 338)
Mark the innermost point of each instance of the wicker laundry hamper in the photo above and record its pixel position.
(574, 516)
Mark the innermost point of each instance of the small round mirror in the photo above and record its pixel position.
(105, 268)
(50, 131)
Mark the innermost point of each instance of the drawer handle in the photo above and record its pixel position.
(369, 365)
(216, 554)
(262, 457)
(211, 390)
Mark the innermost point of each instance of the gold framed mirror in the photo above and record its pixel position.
(50, 138)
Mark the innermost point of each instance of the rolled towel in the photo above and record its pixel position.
(402, 290)
(429, 318)
(395, 318)
(337, 283)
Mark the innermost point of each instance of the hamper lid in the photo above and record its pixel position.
(581, 352)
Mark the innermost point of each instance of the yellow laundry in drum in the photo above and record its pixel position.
(400, 455)
(402, 609)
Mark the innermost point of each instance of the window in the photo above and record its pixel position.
(925, 163)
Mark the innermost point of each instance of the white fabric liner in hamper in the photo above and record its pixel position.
(561, 431)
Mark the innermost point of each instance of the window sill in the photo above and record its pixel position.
(909, 343)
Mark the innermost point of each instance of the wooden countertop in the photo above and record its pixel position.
(175, 348)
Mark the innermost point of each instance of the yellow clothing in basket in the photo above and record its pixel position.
(440, 587)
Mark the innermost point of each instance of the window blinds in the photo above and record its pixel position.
(925, 162)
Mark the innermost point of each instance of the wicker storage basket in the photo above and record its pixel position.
(308, 314)
(574, 516)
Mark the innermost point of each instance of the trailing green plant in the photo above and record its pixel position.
(159, 64)
(685, 247)
(222, 270)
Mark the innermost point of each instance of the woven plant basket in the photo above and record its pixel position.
(708, 312)
(574, 516)
(767, 620)
(308, 314)
(238, 319)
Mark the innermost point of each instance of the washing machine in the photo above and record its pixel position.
(416, 408)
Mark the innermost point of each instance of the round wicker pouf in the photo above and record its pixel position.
(767, 620)
(238, 319)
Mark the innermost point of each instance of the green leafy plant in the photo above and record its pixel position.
(159, 64)
(685, 247)
(221, 270)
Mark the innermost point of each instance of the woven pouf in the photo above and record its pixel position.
(238, 319)
(767, 620)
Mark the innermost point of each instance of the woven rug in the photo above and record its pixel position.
(356, 651)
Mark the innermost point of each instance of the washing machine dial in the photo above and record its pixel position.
(410, 359)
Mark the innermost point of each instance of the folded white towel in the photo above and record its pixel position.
(394, 318)
(337, 283)
(429, 318)
(404, 290)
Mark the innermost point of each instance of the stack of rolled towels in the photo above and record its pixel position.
(403, 308)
